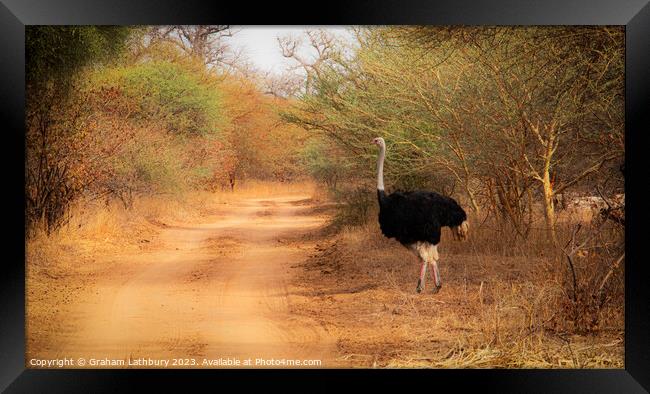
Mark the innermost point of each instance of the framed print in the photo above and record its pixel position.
(448, 191)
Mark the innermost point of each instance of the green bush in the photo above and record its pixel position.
(357, 206)
(148, 164)
(56, 53)
(184, 101)
(322, 165)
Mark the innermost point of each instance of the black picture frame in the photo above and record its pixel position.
(634, 14)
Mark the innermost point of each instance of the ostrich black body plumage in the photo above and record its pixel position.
(415, 216)
(415, 220)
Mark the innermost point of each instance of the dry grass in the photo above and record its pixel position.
(500, 306)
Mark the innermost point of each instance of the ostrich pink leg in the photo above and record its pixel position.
(423, 272)
(436, 276)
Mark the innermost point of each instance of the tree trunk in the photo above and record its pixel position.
(232, 182)
(549, 208)
(472, 199)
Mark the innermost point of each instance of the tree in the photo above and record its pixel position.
(508, 114)
(54, 56)
(204, 42)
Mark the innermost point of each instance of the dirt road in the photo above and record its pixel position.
(210, 292)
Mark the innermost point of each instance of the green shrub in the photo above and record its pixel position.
(357, 205)
(151, 163)
(322, 164)
(184, 101)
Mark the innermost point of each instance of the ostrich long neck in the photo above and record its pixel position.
(380, 167)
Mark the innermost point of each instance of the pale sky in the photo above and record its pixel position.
(260, 44)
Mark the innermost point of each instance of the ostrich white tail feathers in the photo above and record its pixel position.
(461, 232)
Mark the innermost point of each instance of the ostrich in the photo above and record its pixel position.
(415, 218)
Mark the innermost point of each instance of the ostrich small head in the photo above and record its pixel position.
(379, 142)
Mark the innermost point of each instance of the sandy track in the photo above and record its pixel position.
(212, 291)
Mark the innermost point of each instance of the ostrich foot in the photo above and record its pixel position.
(420, 286)
(436, 288)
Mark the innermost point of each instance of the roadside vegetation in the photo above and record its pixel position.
(510, 121)
(122, 113)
